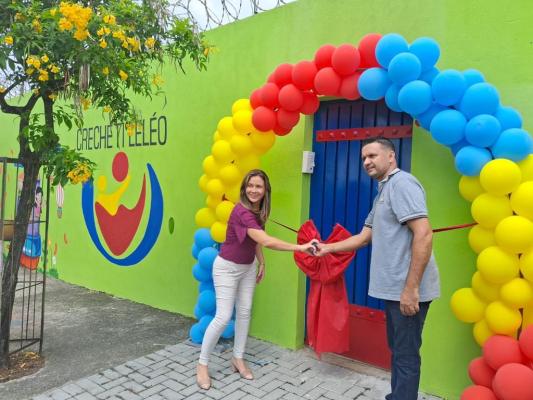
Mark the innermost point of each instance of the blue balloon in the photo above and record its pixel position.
(480, 98)
(448, 127)
(229, 331)
(429, 75)
(206, 257)
(201, 274)
(482, 130)
(427, 116)
(391, 98)
(427, 50)
(415, 97)
(206, 285)
(207, 301)
(448, 87)
(458, 146)
(202, 238)
(373, 83)
(388, 46)
(508, 117)
(194, 251)
(198, 312)
(470, 160)
(205, 321)
(403, 68)
(196, 334)
(514, 144)
(473, 76)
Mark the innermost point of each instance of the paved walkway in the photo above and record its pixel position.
(169, 374)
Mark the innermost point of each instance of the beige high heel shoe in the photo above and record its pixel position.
(245, 373)
(202, 377)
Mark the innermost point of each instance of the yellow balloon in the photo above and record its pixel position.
(225, 128)
(215, 187)
(224, 210)
(502, 319)
(497, 266)
(263, 141)
(527, 317)
(470, 188)
(202, 183)
(205, 217)
(241, 104)
(514, 234)
(516, 293)
(212, 201)
(216, 136)
(218, 231)
(467, 306)
(526, 265)
(230, 175)
(480, 238)
(248, 162)
(482, 332)
(222, 152)
(242, 121)
(526, 166)
(488, 209)
(233, 193)
(210, 166)
(485, 290)
(522, 200)
(500, 176)
(241, 145)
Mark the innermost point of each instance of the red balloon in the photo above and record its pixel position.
(349, 89)
(499, 350)
(271, 78)
(310, 103)
(264, 119)
(287, 119)
(303, 75)
(323, 56)
(327, 82)
(480, 372)
(269, 95)
(478, 393)
(290, 98)
(280, 131)
(526, 342)
(283, 74)
(255, 98)
(513, 382)
(367, 50)
(345, 59)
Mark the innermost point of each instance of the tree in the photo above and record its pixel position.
(80, 55)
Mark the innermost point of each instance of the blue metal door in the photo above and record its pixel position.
(341, 191)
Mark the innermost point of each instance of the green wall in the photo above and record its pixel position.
(485, 35)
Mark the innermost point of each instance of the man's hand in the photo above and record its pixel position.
(322, 249)
(409, 301)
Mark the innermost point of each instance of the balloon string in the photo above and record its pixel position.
(447, 228)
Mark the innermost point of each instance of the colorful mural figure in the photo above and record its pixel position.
(60, 198)
(118, 224)
(31, 252)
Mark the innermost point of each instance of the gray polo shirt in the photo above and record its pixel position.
(400, 198)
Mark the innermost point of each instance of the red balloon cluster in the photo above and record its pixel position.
(505, 371)
(292, 90)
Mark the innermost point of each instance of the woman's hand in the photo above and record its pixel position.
(309, 247)
(260, 273)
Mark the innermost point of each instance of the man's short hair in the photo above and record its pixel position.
(387, 143)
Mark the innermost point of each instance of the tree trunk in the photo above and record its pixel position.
(32, 164)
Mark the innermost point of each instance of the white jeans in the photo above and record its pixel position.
(234, 286)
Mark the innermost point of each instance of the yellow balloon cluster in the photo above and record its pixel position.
(236, 149)
(500, 299)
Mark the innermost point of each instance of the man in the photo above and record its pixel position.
(402, 270)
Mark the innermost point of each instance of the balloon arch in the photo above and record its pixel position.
(460, 110)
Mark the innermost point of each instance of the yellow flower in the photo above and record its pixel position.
(107, 109)
(2, 89)
(8, 40)
(107, 31)
(64, 24)
(43, 75)
(53, 12)
(37, 25)
(105, 71)
(123, 75)
(80, 173)
(30, 71)
(119, 35)
(110, 19)
(81, 34)
(53, 96)
(100, 32)
(130, 128)
(85, 102)
(150, 43)
(44, 59)
(19, 17)
(103, 44)
(125, 44)
(36, 63)
(134, 43)
(54, 69)
(157, 80)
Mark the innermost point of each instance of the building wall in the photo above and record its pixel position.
(484, 35)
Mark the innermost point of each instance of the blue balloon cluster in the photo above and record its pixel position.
(460, 109)
(204, 250)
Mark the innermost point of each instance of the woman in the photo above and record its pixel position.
(239, 266)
